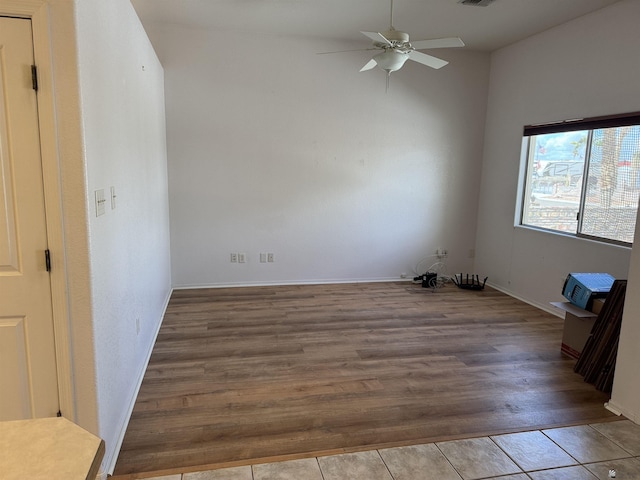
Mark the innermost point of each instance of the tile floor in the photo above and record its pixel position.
(586, 452)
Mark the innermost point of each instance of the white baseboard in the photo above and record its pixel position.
(291, 282)
(618, 410)
(612, 408)
(109, 464)
(546, 307)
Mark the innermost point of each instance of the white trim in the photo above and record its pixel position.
(618, 410)
(38, 12)
(290, 282)
(110, 463)
(612, 408)
(55, 233)
(547, 308)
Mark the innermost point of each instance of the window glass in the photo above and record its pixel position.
(584, 182)
(555, 169)
(611, 199)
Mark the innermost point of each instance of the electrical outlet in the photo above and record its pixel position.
(242, 258)
(263, 258)
(234, 258)
(270, 258)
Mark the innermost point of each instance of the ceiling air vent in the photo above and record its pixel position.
(476, 3)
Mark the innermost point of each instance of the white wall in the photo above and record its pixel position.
(64, 82)
(273, 148)
(625, 397)
(111, 131)
(586, 67)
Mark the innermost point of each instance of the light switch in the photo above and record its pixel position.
(113, 197)
(100, 201)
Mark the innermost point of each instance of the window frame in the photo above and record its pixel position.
(563, 126)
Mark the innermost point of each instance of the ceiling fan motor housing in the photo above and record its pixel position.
(396, 36)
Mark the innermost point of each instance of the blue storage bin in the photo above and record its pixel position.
(581, 288)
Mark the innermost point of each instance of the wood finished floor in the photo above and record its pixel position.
(240, 375)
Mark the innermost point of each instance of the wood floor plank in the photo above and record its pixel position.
(245, 374)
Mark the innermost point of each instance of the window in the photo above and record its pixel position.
(583, 177)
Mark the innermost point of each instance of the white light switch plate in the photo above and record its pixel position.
(100, 201)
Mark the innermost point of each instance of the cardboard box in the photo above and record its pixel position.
(597, 305)
(577, 327)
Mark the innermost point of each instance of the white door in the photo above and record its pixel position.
(28, 380)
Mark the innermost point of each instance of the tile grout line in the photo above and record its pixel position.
(612, 440)
(522, 471)
(448, 461)
(560, 446)
(385, 465)
(319, 468)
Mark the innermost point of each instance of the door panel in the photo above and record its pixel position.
(28, 379)
(15, 386)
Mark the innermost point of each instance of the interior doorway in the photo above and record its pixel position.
(28, 371)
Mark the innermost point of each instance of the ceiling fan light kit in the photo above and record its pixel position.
(389, 60)
(397, 49)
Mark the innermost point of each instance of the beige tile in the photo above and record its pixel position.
(418, 462)
(306, 468)
(568, 473)
(478, 458)
(625, 468)
(624, 433)
(235, 473)
(354, 466)
(533, 451)
(585, 444)
(517, 476)
(167, 477)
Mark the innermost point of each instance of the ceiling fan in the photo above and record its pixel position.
(397, 49)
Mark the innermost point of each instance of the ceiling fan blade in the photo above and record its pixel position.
(370, 64)
(376, 37)
(344, 51)
(427, 60)
(438, 43)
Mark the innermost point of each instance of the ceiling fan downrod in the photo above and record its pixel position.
(391, 17)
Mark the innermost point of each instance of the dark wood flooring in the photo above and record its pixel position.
(244, 375)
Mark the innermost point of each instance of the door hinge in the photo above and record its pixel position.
(47, 259)
(34, 77)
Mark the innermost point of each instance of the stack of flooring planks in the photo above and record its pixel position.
(598, 359)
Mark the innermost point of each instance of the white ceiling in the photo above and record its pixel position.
(481, 28)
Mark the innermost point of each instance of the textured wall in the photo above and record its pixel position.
(273, 148)
(580, 69)
(122, 110)
(626, 387)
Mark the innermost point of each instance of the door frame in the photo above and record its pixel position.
(38, 12)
